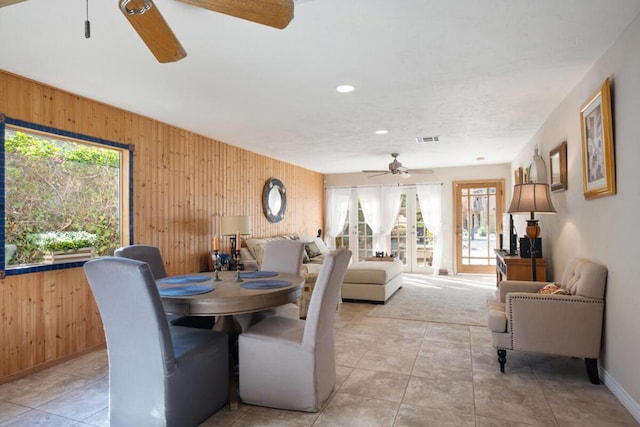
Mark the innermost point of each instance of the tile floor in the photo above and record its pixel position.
(393, 370)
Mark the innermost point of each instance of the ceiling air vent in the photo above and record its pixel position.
(427, 139)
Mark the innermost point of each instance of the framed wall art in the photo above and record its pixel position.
(558, 167)
(598, 162)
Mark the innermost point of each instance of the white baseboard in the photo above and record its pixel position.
(627, 401)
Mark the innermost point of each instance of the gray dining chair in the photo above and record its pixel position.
(152, 256)
(289, 363)
(281, 256)
(159, 374)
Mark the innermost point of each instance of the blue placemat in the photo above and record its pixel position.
(265, 284)
(257, 274)
(176, 291)
(190, 278)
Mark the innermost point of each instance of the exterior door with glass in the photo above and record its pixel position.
(478, 211)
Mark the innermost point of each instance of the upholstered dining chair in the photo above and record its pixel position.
(563, 319)
(159, 374)
(152, 256)
(289, 363)
(281, 256)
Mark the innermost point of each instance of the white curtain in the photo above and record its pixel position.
(430, 198)
(370, 202)
(336, 214)
(390, 208)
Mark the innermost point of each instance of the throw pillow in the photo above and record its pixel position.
(305, 257)
(312, 249)
(553, 289)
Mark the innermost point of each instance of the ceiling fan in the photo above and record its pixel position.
(396, 168)
(146, 19)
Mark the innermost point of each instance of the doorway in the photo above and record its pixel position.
(478, 207)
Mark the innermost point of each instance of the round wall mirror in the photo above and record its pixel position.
(274, 200)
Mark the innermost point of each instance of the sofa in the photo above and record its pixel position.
(313, 257)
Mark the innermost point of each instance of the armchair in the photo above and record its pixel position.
(567, 325)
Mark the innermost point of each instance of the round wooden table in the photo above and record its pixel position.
(229, 298)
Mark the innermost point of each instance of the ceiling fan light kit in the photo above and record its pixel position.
(138, 7)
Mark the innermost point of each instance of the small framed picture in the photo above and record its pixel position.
(517, 176)
(558, 167)
(598, 162)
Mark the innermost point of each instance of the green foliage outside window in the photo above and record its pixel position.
(55, 186)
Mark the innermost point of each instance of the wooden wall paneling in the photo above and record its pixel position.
(183, 183)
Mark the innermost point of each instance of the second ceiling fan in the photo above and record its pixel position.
(396, 168)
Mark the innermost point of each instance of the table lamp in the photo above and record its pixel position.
(531, 198)
(235, 227)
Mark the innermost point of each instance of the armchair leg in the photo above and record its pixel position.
(592, 370)
(502, 358)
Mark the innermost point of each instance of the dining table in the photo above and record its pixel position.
(225, 294)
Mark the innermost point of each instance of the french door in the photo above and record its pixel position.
(478, 211)
(411, 241)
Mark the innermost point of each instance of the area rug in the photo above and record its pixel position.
(457, 299)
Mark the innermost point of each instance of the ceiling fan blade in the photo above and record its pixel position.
(4, 3)
(422, 171)
(379, 174)
(153, 30)
(376, 171)
(274, 13)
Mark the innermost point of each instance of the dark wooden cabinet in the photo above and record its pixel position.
(513, 267)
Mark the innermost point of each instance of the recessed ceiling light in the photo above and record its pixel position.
(381, 131)
(345, 88)
(480, 158)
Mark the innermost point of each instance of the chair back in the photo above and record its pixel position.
(283, 256)
(139, 342)
(585, 278)
(324, 299)
(149, 254)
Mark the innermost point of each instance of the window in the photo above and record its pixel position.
(365, 236)
(58, 184)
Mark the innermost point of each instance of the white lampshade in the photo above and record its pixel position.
(531, 198)
(236, 224)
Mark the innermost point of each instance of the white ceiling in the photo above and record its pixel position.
(481, 75)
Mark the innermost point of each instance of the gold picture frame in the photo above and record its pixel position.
(558, 167)
(517, 176)
(598, 162)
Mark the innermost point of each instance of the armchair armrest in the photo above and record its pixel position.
(557, 324)
(507, 286)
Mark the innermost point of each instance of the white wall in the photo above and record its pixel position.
(603, 229)
(443, 175)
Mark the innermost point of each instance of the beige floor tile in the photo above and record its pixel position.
(346, 410)
(515, 396)
(495, 422)
(398, 363)
(35, 417)
(297, 417)
(419, 416)
(392, 344)
(446, 394)
(39, 388)
(248, 419)
(375, 384)
(447, 333)
(94, 397)
(10, 410)
(444, 360)
(480, 336)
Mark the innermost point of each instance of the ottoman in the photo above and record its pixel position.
(372, 281)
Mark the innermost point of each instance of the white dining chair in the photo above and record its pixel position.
(280, 256)
(152, 256)
(289, 363)
(159, 374)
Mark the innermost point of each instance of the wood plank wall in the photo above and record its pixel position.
(183, 183)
